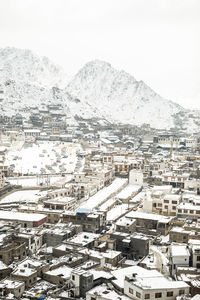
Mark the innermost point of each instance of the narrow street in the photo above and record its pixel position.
(161, 260)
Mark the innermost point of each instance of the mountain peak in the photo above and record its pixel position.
(120, 97)
(103, 91)
(22, 65)
(94, 67)
(98, 70)
(98, 64)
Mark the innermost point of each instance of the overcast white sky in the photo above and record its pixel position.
(157, 41)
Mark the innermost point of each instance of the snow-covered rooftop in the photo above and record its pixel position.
(18, 216)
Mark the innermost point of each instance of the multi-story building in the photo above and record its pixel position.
(31, 133)
(13, 251)
(91, 221)
(176, 180)
(126, 225)
(132, 246)
(60, 203)
(179, 255)
(181, 235)
(83, 282)
(12, 286)
(166, 204)
(153, 285)
(188, 211)
(195, 250)
(65, 192)
(151, 223)
(25, 274)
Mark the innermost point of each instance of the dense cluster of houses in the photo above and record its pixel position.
(123, 224)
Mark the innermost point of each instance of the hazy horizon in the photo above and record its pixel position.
(156, 41)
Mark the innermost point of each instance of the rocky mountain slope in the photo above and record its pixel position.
(25, 66)
(120, 97)
(28, 80)
(97, 90)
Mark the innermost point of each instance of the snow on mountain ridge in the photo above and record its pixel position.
(97, 90)
(20, 97)
(93, 68)
(28, 80)
(22, 65)
(120, 97)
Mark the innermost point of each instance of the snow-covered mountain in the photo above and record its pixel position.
(20, 97)
(24, 66)
(97, 90)
(120, 97)
(28, 80)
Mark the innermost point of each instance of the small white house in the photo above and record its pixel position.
(179, 255)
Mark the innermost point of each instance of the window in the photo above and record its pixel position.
(158, 295)
(174, 207)
(166, 201)
(130, 291)
(181, 292)
(169, 294)
(191, 211)
(180, 210)
(166, 206)
(198, 258)
(147, 296)
(174, 202)
(138, 295)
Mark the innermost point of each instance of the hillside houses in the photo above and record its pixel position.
(96, 210)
